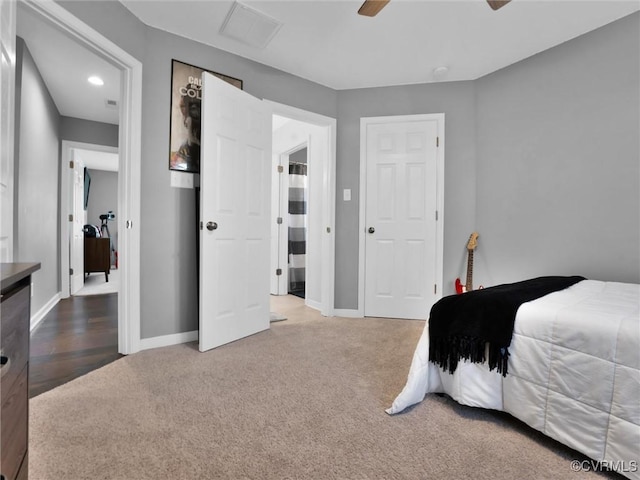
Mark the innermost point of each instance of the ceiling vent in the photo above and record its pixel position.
(249, 26)
(111, 103)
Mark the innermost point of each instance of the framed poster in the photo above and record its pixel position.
(184, 130)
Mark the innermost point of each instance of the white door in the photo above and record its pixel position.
(7, 88)
(235, 186)
(76, 235)
(400, 219)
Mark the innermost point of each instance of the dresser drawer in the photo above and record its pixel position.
(14, 338)
(14, 435)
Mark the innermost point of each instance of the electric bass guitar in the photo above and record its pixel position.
(471, 246)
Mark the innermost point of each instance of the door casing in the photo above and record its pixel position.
(328, 172)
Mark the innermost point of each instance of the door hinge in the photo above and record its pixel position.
(71, 164)
(435, 288)
(278, 271)
(437, 141)
(201, 226)
(280, 169)
(71, 271)
(436, 215)
(71, 217)
(279, 220)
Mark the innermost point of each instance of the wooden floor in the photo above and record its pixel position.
(78, 335)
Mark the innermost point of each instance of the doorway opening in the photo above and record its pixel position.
(94, 257)
(298, 216)
(303, 207)
(128, 197)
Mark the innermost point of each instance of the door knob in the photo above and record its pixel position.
(372, 230)
(212, 226)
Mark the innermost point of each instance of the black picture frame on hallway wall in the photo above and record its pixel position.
(184, 128)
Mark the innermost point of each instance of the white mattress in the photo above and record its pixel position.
(574, 372)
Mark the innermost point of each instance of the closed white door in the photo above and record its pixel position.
(235, 186)
(400, 219)
(77, 234)
(7, 87)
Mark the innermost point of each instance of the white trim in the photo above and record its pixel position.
(329, 197)
(168, 340)
(347, 313)
(130, 133)
(66, 207)
(37, 317)
(8, 234)
(313, 304)
(364, 123)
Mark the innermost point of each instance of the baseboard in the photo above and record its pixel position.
(313, 304)
(37, 317)
(168, 340)
(348, 313)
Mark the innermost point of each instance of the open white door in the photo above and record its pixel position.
(76, 236)
(235, 185)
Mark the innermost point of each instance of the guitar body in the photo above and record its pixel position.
(471, 246)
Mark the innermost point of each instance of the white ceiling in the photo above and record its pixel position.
(65, 66)
(329, 43)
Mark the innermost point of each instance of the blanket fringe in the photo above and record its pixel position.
(447, 352)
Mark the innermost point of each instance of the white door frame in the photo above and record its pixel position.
(66, 205)
(328, 198)
(130, 132)
(8, 233)
(364, 123)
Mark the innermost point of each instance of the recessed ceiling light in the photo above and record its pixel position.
(95, 81)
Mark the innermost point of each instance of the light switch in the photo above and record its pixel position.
(346, 194)
(182, 179)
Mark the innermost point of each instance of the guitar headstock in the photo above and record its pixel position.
(473, 241)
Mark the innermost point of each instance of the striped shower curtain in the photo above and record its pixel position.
(298, 187)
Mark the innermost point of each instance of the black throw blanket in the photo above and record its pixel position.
(464, 327)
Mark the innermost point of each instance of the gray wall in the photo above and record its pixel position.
(299, 156)
(38, 151)
(103, 196)
(87, 131)
(457, 101)
(558, 161)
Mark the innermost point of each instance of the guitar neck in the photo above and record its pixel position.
(469, 285)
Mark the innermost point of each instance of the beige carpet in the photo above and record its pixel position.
(304, 400)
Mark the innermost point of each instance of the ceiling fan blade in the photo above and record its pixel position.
(496, 4)
(370, 8)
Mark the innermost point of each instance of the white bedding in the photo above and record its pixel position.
(574, 372)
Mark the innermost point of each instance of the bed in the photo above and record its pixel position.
(573, 372)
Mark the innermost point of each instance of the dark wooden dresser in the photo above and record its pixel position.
(14, 387)
(97, 255)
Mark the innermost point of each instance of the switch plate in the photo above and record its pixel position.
(346, 194)
(181, 179)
